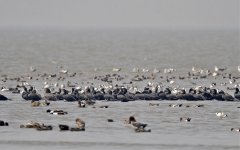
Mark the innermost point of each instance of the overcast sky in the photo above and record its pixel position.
(120, 13)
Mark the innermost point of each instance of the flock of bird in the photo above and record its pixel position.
(130, 121)
(158, 87)
(155, 89)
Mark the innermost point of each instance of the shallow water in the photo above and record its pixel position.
(83, 52)
(205, 131)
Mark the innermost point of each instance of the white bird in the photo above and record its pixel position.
(155, 70)
(185, 119)
(237, 85)
(46, 86)
(175, 105)
(145, 70)
(231, 82)
(221, 115)
(25, 83)
(219, 69)
(116, 69)
(214, 74)
(62, 86)
(193, 69)
(33, 69)
(169, 70)
(239, 68)
(3, 89)
(150, 84)
(175, 91)
(78, 88)
(216, 68)
(235, 129)
(64, 71)
(56, 84)
(198, 70)
(135, 70)
(199, 88)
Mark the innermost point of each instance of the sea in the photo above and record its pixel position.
(96, 52)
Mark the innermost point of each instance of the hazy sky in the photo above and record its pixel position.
(120, 13)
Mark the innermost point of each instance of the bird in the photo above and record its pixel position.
(235, 129)
(136, 124)
(32, 69)
(3, 123)
(31, 124)
(64, 71)
(175, 105)
(44, 127)
(221, 115)
(80, 123)
(219, 69)
(200, 105)
(2, 97)
(63, 127)
(81, 104)
(116, 69)
(135, 70)
(110, 120)
(155, 70)
(185, 119)
(56, 112)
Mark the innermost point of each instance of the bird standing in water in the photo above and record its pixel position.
(139, 127)
(80, 123)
